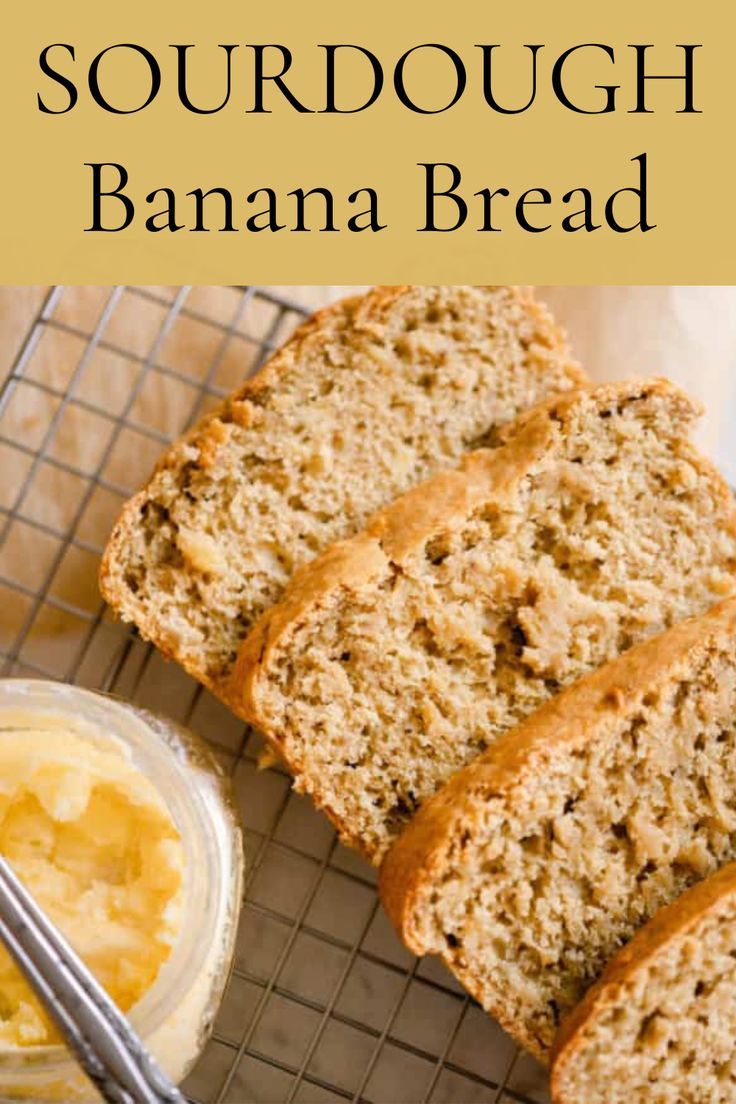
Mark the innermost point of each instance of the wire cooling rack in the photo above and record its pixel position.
(324, 1003)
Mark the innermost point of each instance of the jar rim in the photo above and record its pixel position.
(160, 748)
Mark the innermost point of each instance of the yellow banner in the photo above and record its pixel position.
(350, 144)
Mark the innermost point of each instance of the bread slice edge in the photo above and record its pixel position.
(669, 924)
(370, 309)
(567, 722)
(113, 591)
(484, 477)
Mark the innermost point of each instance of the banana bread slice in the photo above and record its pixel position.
(532, 867)
(660, 1025)
(398, 656)
(368, 397)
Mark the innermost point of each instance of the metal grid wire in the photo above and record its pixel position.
(324, 1003)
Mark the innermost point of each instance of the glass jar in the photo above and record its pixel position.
(174, 1017)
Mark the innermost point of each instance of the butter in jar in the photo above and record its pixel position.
(120, 824)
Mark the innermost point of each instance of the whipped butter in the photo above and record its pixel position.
(121, 824)
(91, 839)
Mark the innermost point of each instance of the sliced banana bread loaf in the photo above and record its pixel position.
(534, 864)
(368, 397)
(398, 656)
(660, 1025)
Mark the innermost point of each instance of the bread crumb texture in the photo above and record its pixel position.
(660, 1028)
(536, 863)
(369, 397)
(401, 655)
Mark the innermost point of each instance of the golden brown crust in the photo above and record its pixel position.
(557, 406)
(492, 476)
(572, 719)
(199, 436)
(366, 312)
(389, 537)
(483, 477)
(667, 926)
